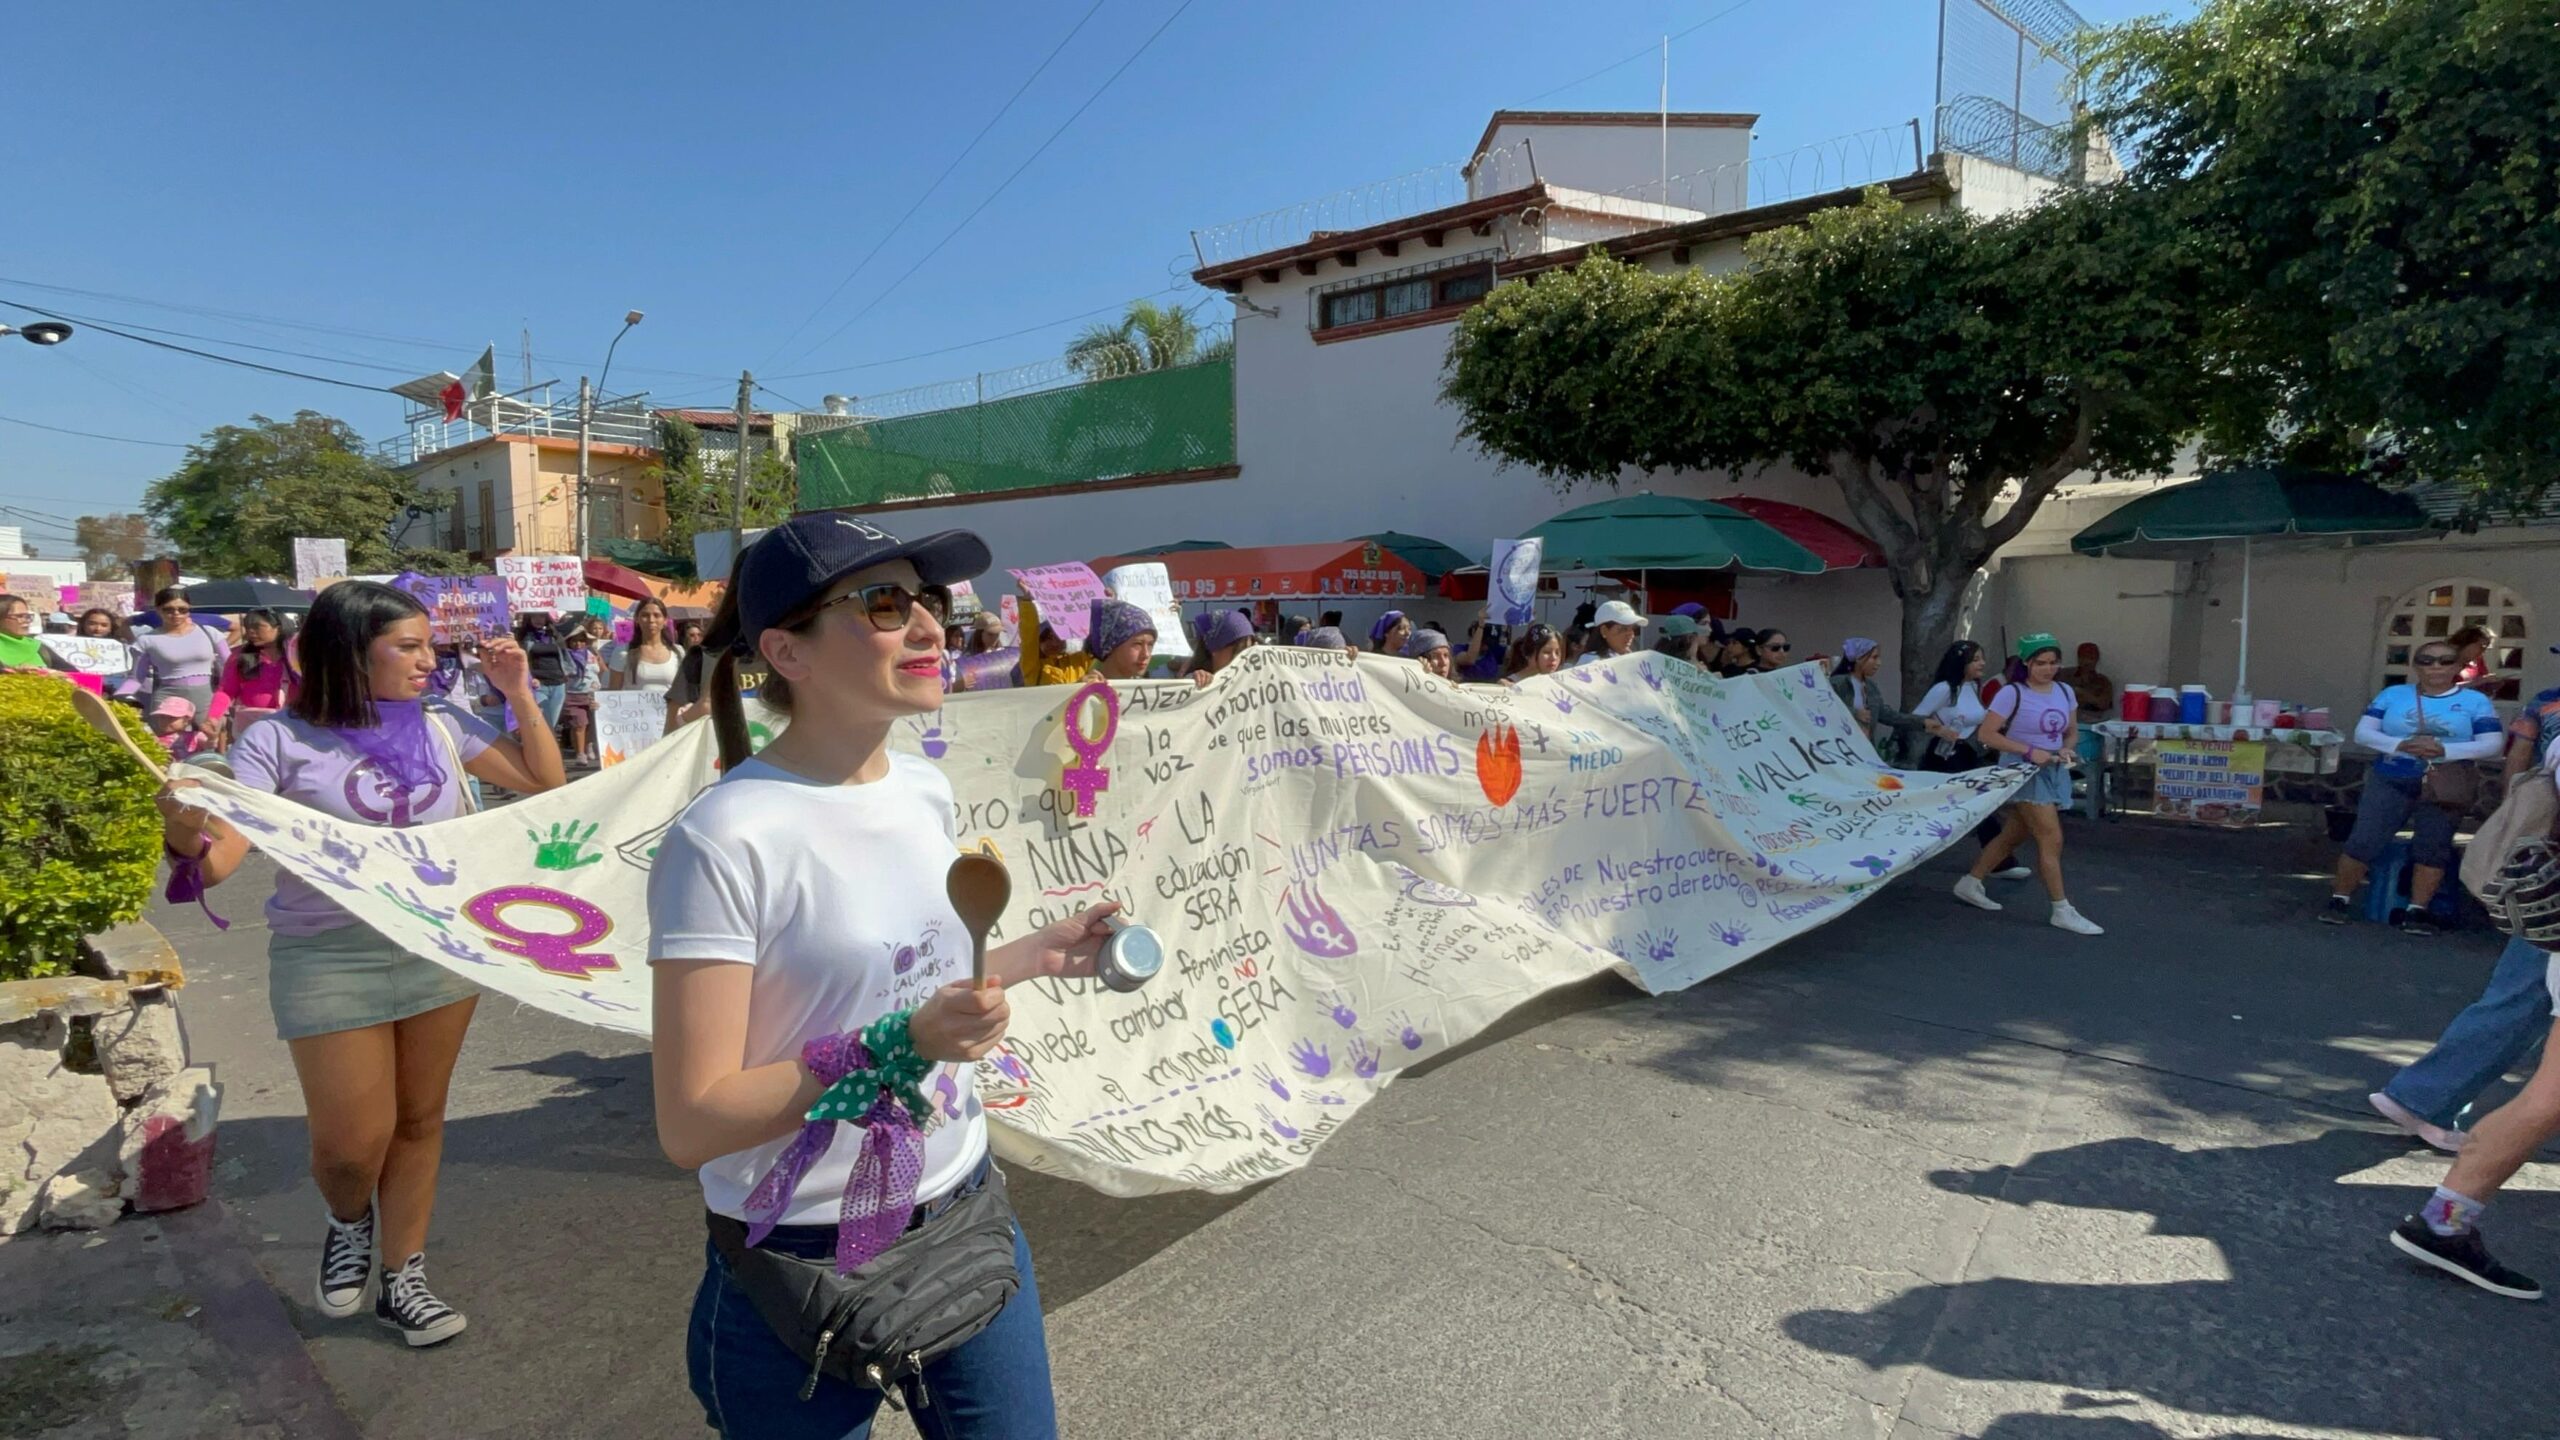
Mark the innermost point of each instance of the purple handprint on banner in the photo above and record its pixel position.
(1410, 1037)
(1364, 1058)
(411, 851)
(1314, 926)
(334, 847)
(1609, 676)
(454, 946)
(1265, 1074)
(1875, 865)
(1659, 948)
(1652, 677)
(935, 747)
(1279, 1127)
(1562, 701)
(254, 823)
(1729, 933)
(1338, 1005)
(1313, 1059)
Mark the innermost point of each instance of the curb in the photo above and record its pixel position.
(270, 1370)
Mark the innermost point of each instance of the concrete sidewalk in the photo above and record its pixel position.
(1926, 1171)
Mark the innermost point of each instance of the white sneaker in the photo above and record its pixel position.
(2066, 918)
(1970, 891)
(2447, 1140)
(2014, 872)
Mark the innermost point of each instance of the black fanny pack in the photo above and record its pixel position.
(945, 1280)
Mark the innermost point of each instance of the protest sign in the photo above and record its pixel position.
(87, 655)
(599, 608)
(460, 608)
(113, 596)
(317, 563)
(1065, 594)
(628, 722)
(41, 592)
(1147, 586)
(1352, 865)
(66, 596)
(555, 585)
(1009, 611)
(1513, 581)
(989, 669)
(2210, 782)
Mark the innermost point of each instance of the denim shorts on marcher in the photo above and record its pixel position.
(2050, 785)
(349, 978)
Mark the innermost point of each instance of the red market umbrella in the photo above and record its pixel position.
(1835, 544)
(614, 579)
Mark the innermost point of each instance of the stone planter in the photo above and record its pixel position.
(99, 1110)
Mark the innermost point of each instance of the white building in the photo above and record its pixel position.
(1343, 313)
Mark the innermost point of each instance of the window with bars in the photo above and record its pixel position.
(2448, 610)
(1444, 286)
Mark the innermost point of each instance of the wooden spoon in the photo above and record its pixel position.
(979, 886)
(101, 716)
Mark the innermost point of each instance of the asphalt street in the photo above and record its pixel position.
(1922, 1172)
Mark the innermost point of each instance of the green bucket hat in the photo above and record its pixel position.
(2028, 645)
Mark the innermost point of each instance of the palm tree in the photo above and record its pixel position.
(1148, 337)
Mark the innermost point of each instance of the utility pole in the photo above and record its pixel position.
(586, 424)
(738, 480)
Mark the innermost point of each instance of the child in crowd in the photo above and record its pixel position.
(174, 721)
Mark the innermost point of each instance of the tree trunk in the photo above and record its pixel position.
(1930, 611)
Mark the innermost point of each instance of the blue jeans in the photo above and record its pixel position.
(551, 698)
(996, 1387)
(2483, 1042)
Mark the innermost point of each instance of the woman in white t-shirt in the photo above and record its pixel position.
(2032, 724)
(648, 663)
(1950, 714)
(787, 971)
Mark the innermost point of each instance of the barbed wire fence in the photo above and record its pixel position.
(2008, 89)
(1434, 187)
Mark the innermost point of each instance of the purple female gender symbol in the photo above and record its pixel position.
(551, 954)
(1085, 779)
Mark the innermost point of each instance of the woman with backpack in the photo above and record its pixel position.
(2031, 724)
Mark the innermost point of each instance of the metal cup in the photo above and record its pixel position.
(1130, 958)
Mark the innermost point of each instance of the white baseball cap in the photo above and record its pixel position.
(1618, 612)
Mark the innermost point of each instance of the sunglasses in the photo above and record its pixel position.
(1777, 649)
(888, 606)
(2439, 659)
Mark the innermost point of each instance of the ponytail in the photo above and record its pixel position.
(720, 679)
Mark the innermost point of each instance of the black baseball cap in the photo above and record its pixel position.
(794, 562)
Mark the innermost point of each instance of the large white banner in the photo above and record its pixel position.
(1352, 865)
(556, 584)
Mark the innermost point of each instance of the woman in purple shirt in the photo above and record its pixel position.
(180, 658)
(2032, 724)
(373, 1029)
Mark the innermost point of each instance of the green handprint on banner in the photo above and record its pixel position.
(562, 850)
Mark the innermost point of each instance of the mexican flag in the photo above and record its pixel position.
(482, 383)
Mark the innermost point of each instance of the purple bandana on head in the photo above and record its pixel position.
(1386, 622)
(399, 743)
(1115, 623)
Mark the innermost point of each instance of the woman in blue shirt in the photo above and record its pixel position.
(2415, 728)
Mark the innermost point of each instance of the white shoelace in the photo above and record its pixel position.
(347, 1257)
(410, 1297)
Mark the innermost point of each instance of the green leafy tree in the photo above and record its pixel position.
(1946, 371)
(246, 491)
(700, 492)
(2378, 182)
(112, 543)
(1148, 337)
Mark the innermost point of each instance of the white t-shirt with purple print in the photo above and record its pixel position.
(288, 756)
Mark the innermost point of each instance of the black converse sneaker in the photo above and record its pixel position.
(346, 1266)
(407, 1303)
(2462, 1255)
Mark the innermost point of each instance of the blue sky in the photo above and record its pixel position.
(417, 182)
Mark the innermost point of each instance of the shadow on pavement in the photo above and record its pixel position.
(2319, 1322)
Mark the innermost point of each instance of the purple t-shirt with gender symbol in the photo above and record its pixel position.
(291, 757)
(2035, 719)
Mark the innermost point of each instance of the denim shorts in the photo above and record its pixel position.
(349, 978)
(2389, 802)
(2050, 785)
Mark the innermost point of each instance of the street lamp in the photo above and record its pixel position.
(587, 418)
(47, 332)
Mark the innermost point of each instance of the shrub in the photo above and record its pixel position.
(79, 835)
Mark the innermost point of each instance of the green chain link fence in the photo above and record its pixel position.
(1156, 422)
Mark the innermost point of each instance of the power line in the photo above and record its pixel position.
(1063, 126)
(965, 152)
(983, 340)
(202, 354)
(91, 434)
(1649, 50)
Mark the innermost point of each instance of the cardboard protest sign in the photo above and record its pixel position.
(316, 563)
(989, 669)
(1513, 581)
(628, 722)
(547, 584)
(1065, 594)
(1352, 866)
(461, 609)
(87, 655)
(1147, 586)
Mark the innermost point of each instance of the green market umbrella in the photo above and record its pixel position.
(1646, 531)
(2183, 521)
(1432, 557)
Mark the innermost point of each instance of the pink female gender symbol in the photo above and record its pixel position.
(1085, 779)
(551, 954)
